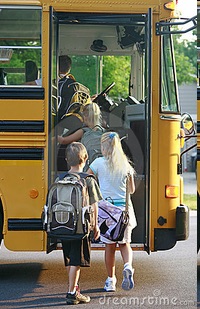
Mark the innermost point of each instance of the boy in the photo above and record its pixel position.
(77, 252)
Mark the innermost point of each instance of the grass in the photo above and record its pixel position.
(190, 200)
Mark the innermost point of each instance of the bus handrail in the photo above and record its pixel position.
(161, 24)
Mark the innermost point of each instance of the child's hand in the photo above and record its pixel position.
(96, 232)
(60, 139)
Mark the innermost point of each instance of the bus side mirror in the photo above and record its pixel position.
(187, 124)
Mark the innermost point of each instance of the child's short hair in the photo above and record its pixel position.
(65, 63)
(76, 153)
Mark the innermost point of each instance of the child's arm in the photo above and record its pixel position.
(74, 137)
(94, 196)
(131, 184)
(96, 227)
(89, 171)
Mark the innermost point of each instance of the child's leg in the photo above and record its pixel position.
(73, 277)
(110, 259)
(128, 271)
(110, 284)
(126, 253)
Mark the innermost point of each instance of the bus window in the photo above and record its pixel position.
(20, 45)
(169, 100)
(96, 71)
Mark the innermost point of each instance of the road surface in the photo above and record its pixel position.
(162, 279)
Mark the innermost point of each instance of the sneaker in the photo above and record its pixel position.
(110, 284)
(127, 282)
(76, 298)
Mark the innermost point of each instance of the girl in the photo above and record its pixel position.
(91, 117)
(112, 170)
(90, 134)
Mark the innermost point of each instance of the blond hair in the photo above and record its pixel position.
(92, 115)
(112, 150)
(76, 154)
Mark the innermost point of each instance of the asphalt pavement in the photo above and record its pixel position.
(163, 279)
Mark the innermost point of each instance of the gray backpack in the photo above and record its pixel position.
(68, 214)
(91, 139)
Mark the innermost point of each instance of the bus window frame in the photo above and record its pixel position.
(22, 91)
(172, 58)
(52, 95)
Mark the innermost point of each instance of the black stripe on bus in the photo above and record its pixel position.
(21, 126)
(198, 93)
(21, 154)
(198, 126)
(198, 154)
(25, 225)
(26, 93)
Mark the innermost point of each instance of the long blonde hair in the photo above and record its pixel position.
(92, 115)
(114, 154)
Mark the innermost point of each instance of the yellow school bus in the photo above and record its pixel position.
(122, 51)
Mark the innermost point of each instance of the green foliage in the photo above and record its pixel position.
(185, 56)
(190, 200)
(17, 64)
(84, 69)
(117, 69)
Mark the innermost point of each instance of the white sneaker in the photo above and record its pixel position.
(128, 282)
(110, 284)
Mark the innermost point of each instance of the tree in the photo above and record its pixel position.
(185, 56)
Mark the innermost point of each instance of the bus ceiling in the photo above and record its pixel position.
(165, 27)
(117, 35)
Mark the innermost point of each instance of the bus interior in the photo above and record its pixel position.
(120, 43)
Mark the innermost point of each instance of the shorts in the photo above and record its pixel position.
(76, 252)
(128, 231)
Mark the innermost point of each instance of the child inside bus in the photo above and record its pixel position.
(65, 79)
(92, 118)
(92, 123)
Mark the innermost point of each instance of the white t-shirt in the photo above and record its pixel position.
(111, 185)
(114, 186)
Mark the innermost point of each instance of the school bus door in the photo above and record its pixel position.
(61, 22)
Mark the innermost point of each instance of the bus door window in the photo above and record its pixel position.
(169, 98)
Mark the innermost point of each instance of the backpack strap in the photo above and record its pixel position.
(63, 80)
(78, 175)
(61, 176)
(99, 128)
(86, 175)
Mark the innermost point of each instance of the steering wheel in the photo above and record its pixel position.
(104, 102)
(105, 91)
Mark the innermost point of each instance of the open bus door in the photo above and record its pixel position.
(52, 94)
(124, 39)
(139, 134)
